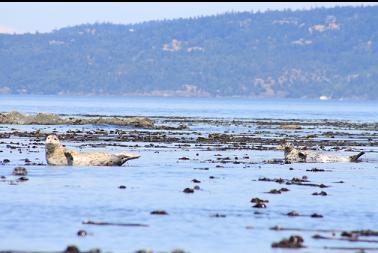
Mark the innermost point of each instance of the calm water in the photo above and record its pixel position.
(46, 212)
(199, 107)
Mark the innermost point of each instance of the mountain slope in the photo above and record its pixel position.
(331, 52)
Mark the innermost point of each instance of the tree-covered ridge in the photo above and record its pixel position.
(330, 52)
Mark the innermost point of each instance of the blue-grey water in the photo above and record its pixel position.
(198, 107)
(45, 213)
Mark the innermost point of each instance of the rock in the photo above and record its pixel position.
(54, 119)
(188, 190)
(294, 242)
(159, 212)
(22, 179)
(275, 191)
(290, 126)
(260, 205)
(71, 249)
(257, 200)
(19, 171)
(184, 158)
(315, 215)
(217, 215)
(82, 233)
(322, 193)
(178, 251)
(122, 187)
(293, 213)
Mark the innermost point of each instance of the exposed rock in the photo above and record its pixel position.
(82, 233)
(54, 119)
(19, 171)
(290, 127)
(159, 212)
(188, 190)
(71, 249)
(294, 242)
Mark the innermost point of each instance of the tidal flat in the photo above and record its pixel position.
(202, 184)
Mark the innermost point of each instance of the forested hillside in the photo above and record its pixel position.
(320, 52)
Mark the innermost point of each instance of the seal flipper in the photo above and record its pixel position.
(354, 158)
(69, 157)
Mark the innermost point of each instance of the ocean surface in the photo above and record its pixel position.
(46, 212)
(196, 107)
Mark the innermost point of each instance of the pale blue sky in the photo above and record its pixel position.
(44, 17)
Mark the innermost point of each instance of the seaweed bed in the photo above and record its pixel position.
(200, 183)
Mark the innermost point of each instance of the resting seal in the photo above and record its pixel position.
(56, 154)
(294, 155)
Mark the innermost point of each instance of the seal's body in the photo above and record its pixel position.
(58, 155)
(294, 155)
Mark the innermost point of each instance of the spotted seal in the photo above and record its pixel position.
(295, 155)
(58, 155)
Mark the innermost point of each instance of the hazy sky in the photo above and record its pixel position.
(44, 17)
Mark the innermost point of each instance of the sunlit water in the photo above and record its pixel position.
(46, 212)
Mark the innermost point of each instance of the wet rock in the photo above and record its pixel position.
(292, 213)
(316, 170)
(188, 190)
(367, 232)
(19, 171)
(315, 215)
(259, 205)
(71, 249)
(22, 179)
(257, 200)
(274, 191)
(217, 215)
(322, 193)
(178, 251)
(54, 119)
(348, 234)
(94, 251)
(290, 127)
(82, 233)
(159, 212)
(200, 168)
(294, 242)
(184, 158)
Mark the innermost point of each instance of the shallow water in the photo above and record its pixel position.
(45, 213)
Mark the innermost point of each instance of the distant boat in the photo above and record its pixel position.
(324, 98)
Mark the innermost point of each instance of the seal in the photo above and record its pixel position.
(58, 155)
(294, 155)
